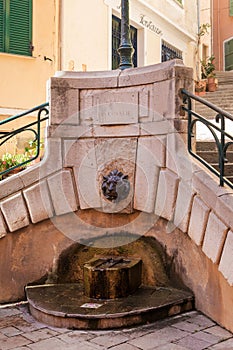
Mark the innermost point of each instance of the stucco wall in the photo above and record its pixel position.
(131, 121)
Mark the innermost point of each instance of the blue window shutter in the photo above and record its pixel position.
(19, 27)
(231, 7)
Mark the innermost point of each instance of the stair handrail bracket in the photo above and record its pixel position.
(34, 127)
(223, 142)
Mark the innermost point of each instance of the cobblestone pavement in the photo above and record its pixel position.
(192, 330)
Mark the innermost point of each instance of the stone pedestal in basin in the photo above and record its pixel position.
(111, 277)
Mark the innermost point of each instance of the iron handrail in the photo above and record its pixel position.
(222, 142)
(36, 132)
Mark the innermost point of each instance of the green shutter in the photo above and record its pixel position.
(1, 25)
(19, 27)
(231, 7)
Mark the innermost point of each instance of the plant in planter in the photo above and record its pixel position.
(200, 83)
(208, 72)
(9, 160)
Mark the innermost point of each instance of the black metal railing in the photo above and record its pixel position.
(19, 161)
(222, 138)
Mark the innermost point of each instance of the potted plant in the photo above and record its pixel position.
(200, 82)
(208, 72)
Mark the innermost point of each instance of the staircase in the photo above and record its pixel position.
(223, 98)
(208, 151)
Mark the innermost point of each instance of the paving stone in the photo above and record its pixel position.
(74, 336)
(210, 338)
(187, 326)
(219, 332)
(13, 342)
(8, 312)
(192, 343)
(125, 347)
(50, 344)
(40, 334)
(224, 345)
(110, 340)
(202, 320)
(170, 347)
(158, 338)
(10, 331)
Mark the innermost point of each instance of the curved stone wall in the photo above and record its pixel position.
(101, 121)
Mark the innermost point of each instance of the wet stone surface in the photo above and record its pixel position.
(57, 304)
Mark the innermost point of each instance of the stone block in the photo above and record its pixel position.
(198, 220)
(31, 175)
(183, 205)
(64, 105)
(226, 262)
(207, 186)
(149, 74)
(38, 202)
(145, 107)
(11, 185)
(3, 228)
(70, 131)
(115, 107)
(82, 156)
(166, 194)
(116, 131)
(164, 103)
(224, 205)
(150, 156)
(162, 127)
(178, 159)
(15, 212)
(86, 80)
(214, 238)
(52, 160)
(62, 192)
(120, 154)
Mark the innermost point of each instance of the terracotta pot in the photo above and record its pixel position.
(211, 87)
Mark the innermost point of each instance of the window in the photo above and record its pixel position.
(116, 39)
(16, 26)
(231, 7)
(228, 48)
(169, 52)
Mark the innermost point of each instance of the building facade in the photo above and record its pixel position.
(222, 23)
(40, 37)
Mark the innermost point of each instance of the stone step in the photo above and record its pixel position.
(228, 168)
(212, 156)
(206, 146)
(66, 306)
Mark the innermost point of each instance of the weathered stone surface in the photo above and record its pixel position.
(116, 107)
(120, 154)
(145, 106)
(198, 220)
(214, 238)
(183, 205)
(84, 80)
(164, 100)
(62, 192)
(11, 185)
(226, 262)
(15, 212)
(149, 74)
(166, 194)
(64, 105)
(178, 160)
(113, 130)
(38, 202)
(150, 156)
(3, 229)
(81, 155)
(52, 160)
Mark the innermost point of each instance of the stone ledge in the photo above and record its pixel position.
(226, 262)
